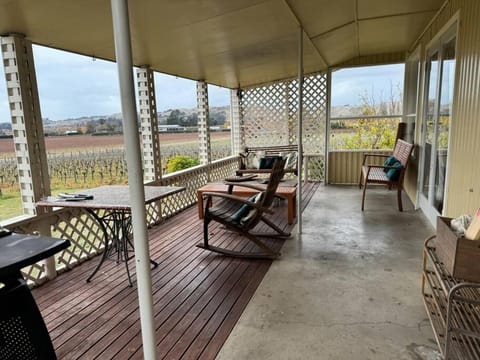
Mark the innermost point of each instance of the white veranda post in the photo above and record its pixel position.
(203, 123)
(152, 166)
(235, 121)
(300, 131)
(27, 127)
(123, 54)
(26, 117)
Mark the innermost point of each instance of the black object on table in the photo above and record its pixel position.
(114, 217)
(23, 334)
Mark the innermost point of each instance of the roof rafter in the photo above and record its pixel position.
(297, 19)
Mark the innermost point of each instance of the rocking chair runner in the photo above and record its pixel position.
(225, 211)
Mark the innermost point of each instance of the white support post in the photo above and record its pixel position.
(235, 121)
(152, 166)
(27, 124)
(203, 123)
(123, 53)
(327, 125)
(300, 131)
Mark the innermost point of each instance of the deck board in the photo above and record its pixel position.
(198, 296)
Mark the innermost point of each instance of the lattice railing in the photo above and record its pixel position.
(270, 117)
(192, 179)
(314, 167)
(85, 234)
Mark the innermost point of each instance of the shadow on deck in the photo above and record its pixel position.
(198, 296)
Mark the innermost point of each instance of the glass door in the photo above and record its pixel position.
(439, 82)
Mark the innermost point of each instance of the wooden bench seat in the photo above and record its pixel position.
(376, 174)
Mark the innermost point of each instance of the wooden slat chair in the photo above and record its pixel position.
(376, 174)
(226, 205)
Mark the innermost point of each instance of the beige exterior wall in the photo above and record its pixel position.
(463, 171)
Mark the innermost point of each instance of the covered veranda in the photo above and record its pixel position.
(350, 287)
(262, 50)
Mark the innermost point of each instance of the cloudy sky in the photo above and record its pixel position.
(72, 86)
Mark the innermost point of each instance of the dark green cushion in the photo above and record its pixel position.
(394, 174)
(389, 162)
(243, 210)
(268, 161)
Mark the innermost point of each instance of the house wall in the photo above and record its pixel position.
(463, 171)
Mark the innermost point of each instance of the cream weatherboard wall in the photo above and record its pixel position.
(463, 172)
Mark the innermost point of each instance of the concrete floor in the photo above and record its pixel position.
(348, 289)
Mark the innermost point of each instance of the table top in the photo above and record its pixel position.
(239, 189)
(20, 250)
(111, 197)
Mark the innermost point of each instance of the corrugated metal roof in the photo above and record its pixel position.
(225, 42)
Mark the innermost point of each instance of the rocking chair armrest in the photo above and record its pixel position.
(238, 199)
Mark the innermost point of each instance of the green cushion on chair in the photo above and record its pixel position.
(243, 211)
(389, 162)
(394, 174)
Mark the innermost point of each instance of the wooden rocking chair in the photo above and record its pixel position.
(228, 206)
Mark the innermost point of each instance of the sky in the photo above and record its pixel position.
(72, 86)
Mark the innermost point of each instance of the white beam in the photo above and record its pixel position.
(300, 131)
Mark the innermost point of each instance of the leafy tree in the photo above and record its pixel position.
(377, 133)
(176, 117)
(192, 120)
(181, 162)
(90, 127)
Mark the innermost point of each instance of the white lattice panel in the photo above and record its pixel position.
(193, 179)
(85, 235)
(265, 115)
(270, 116)
(314, 114)
(314, 168)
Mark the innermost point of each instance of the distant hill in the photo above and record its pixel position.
(113, 122)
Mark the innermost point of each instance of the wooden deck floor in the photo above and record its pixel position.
(198, 296)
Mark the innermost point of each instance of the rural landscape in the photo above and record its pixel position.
(83, 161)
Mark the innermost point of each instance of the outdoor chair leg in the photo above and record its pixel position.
(205, 232)
(363, 196)
(399, 197)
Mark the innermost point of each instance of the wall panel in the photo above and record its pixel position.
(463, 172)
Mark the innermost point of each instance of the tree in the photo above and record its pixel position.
(181, 162)
(376, 133)
(175, 118)
(90, 127)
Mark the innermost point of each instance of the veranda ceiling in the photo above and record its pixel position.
(230, 43)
